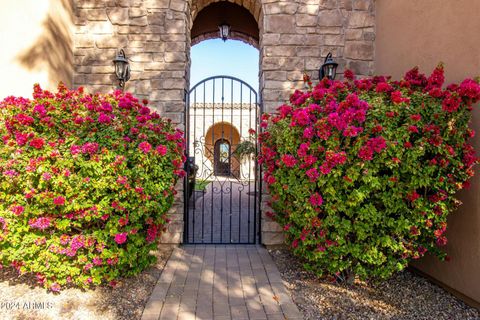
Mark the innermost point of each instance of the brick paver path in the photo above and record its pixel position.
(220, 282)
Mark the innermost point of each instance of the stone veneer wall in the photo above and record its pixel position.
(295, 36)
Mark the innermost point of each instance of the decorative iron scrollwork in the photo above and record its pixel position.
(225, 208)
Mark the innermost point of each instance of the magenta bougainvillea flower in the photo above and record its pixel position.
(316, 200)
(46, 176)
(121, 238)
(55, 287)
(145, 147)
(289, 160)
(97, 261)
(122, 180)
(17, 210)
(90, 148)
(37, 143)
(41, 223)
(59, 201)
(105, 119)
(162, 150)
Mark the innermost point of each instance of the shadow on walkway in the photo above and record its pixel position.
(220, 282)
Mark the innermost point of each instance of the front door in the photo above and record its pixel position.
(222, 158)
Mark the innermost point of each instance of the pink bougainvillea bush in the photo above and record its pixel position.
(363, 173)
(85, 185)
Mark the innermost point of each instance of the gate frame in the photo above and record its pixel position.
(257, 239)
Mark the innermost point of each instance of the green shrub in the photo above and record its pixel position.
(86, 182)
(363, 173)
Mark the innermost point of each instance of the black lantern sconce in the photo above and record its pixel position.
(329, 68)
(224, 30)
(122, 68)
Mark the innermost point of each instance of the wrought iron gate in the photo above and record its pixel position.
(222, 187)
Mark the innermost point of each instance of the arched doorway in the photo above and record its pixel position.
(222, 158)
(221, 112)
(229, 133)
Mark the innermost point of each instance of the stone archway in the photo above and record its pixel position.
(242, 15)
(243, 25)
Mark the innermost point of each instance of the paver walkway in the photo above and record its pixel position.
(220, 282)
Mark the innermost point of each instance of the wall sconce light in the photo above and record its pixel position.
(224, 31)
(329, 68)
(122, 68)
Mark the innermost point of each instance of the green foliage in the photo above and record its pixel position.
(244, 149)
(200, 185)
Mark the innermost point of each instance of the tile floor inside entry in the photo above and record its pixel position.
(220, 282)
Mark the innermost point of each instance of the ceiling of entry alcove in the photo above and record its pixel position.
(240, 20)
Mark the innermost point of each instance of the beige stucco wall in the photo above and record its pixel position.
(36, 45)
(413, 32)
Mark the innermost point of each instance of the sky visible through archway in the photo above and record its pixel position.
(231, 58)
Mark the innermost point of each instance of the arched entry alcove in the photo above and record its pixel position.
(220, 112)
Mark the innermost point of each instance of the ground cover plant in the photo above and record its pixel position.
(363, 173)
(85, 185)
